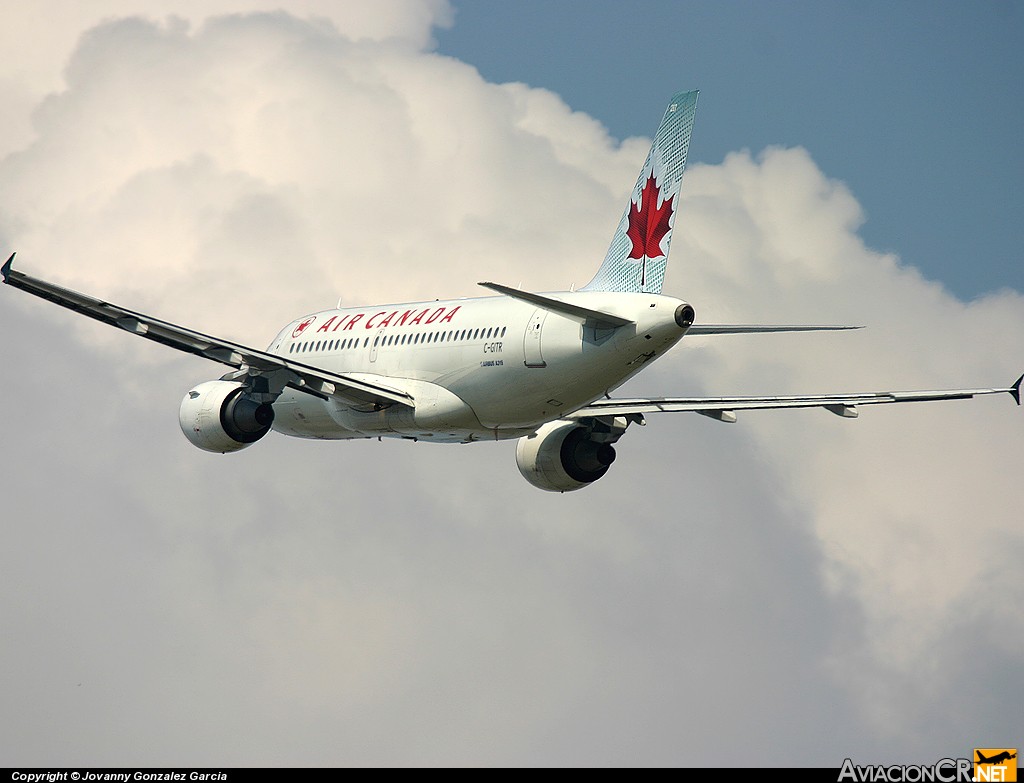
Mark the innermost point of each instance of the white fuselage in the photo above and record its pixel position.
(486, 368)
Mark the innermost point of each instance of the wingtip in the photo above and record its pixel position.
(5, 270)
(1015, 389)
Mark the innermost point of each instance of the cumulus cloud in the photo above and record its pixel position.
(792, 588)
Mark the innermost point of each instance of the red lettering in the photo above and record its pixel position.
(369, 321)
(448, 318)
(352, 323)
(387, 320)
(340, 322)
(404, 318)
(419, 317)
(435, 315)
(327, 323)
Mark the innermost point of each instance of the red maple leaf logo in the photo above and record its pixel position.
(303, 326)
(648, 223)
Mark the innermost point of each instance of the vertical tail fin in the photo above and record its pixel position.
(638, 254)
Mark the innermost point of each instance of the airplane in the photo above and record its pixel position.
(996, 759)
(539, 367)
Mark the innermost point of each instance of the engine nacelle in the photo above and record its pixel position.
(563, 456)
(218, 416)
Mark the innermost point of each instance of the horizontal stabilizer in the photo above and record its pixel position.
(585, 315)
(756, 329)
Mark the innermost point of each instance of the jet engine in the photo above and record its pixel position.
(562, 456)
(220, 416)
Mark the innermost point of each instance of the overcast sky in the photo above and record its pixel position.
(794, 588)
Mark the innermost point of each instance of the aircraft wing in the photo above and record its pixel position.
(278, 371)
(724, 408)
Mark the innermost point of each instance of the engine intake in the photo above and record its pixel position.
(217, 416)
(563, 456)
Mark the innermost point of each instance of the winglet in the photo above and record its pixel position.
(5, 270)
(1015, 389)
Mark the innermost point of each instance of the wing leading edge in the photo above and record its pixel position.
(724, 408)
(277, 371)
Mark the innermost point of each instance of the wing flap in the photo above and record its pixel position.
(250, 361)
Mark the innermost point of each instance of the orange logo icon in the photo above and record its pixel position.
(995, 764)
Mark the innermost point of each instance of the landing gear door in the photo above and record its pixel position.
(532, 339)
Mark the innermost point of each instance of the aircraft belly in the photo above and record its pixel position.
(302, 415)
(518, 395)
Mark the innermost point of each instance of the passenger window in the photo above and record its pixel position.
(503, 330)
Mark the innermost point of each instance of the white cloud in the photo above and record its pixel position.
(374, 603)
(880, 489)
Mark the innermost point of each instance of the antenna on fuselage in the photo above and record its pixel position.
(339, 304)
